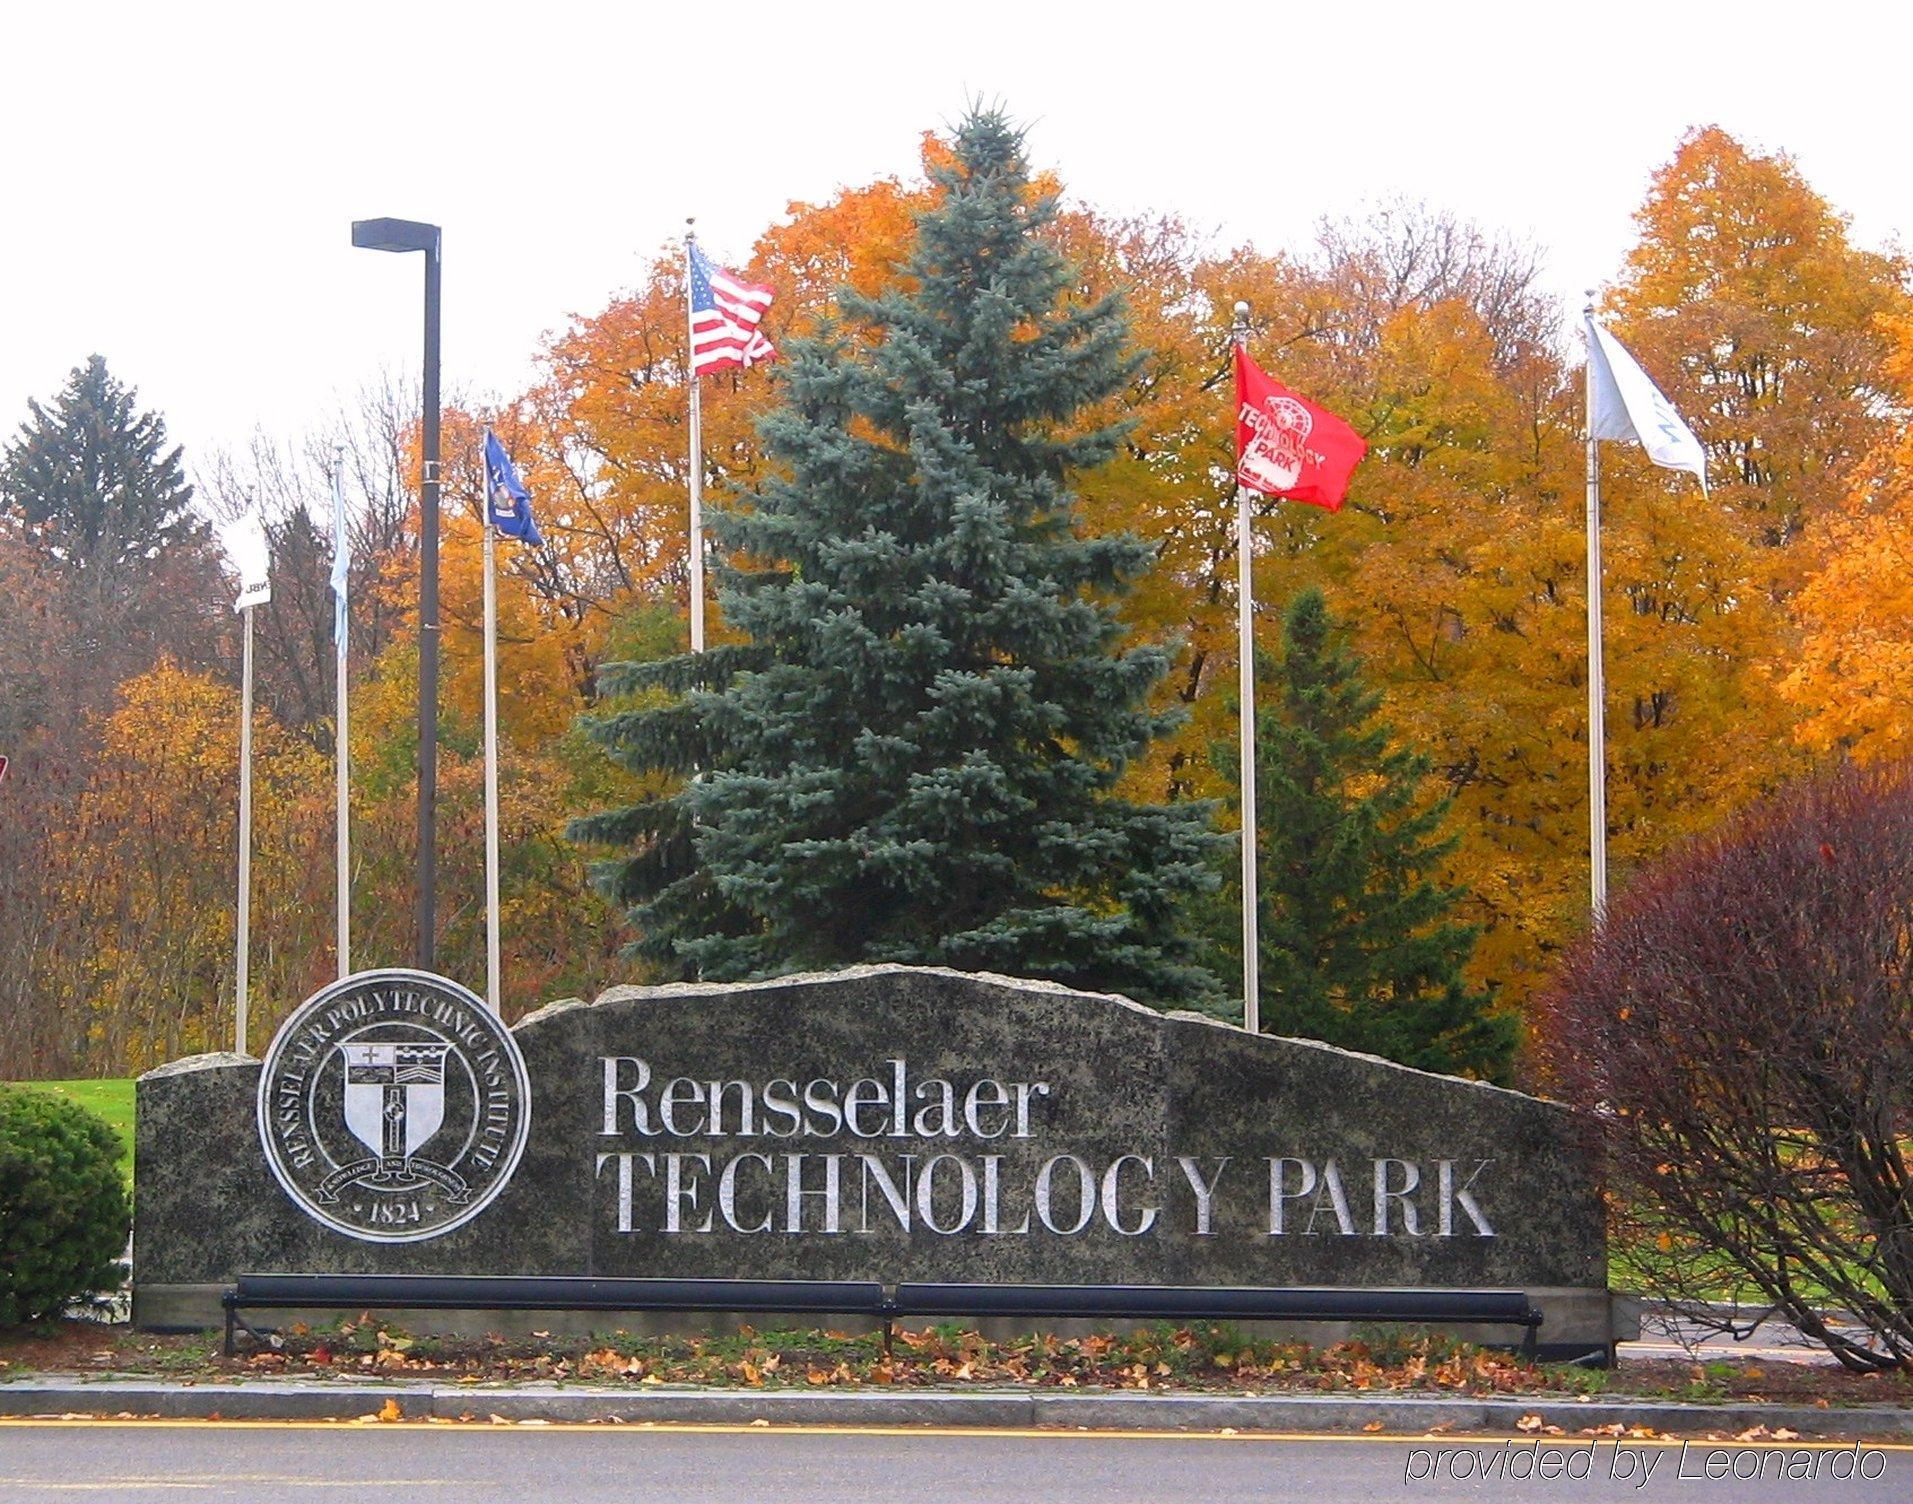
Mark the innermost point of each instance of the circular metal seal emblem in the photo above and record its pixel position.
(393, 1106)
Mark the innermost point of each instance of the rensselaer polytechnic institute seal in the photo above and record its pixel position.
(393, 1106)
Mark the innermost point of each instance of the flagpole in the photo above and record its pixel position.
(1597, 725)
(341, 732)
(1245, 696)
(697, 452)
(491, 754)
(243, 938)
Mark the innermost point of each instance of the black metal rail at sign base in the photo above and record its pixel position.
(804, 1297)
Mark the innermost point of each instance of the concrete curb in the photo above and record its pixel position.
(1412, 1415)
(262, 1401)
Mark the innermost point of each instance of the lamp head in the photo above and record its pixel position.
(394, 235)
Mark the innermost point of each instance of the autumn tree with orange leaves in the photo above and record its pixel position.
(1852, 682)
(1749, 633)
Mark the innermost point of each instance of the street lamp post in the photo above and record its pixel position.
(411, 235)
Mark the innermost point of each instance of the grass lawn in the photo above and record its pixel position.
(111, 1099)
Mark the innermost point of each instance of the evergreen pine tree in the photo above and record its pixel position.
(91, 480)
(1358, 946)
(111, 567)
(913, 754)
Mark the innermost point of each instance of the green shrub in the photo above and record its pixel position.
(64, 1214)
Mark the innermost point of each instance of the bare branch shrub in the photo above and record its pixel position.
(1742, 1029)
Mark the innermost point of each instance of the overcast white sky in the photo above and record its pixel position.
(180, 178)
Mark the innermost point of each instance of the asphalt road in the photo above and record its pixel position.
(142, 1463)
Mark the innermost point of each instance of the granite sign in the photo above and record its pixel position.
(884, 1123)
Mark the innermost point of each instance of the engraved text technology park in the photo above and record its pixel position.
(823, 1156)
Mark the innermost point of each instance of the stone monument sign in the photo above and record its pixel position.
(889, 1123)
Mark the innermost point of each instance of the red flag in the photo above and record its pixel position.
(1287, 446)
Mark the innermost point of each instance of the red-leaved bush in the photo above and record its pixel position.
(1741, 1028)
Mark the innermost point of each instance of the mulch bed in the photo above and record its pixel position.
(1186, 1359)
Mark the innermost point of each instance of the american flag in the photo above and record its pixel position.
(724, 316)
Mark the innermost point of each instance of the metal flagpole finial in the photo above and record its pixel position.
(1239, 331)
(1589, 310)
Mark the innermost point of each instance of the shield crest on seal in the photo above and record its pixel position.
(394, 1096)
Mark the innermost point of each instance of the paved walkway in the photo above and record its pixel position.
(1664, 1335)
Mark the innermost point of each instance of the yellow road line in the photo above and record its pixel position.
(696, 1428)
(219, 1481)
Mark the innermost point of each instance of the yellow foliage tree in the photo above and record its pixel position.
(1852, 681)
(1746, 632)
(147, 871)
(1765, 326)
(1762, 320)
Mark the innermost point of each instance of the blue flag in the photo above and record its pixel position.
(507, 502)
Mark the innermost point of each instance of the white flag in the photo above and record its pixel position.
(341, 554)
(244, 539)
(1624, 404)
